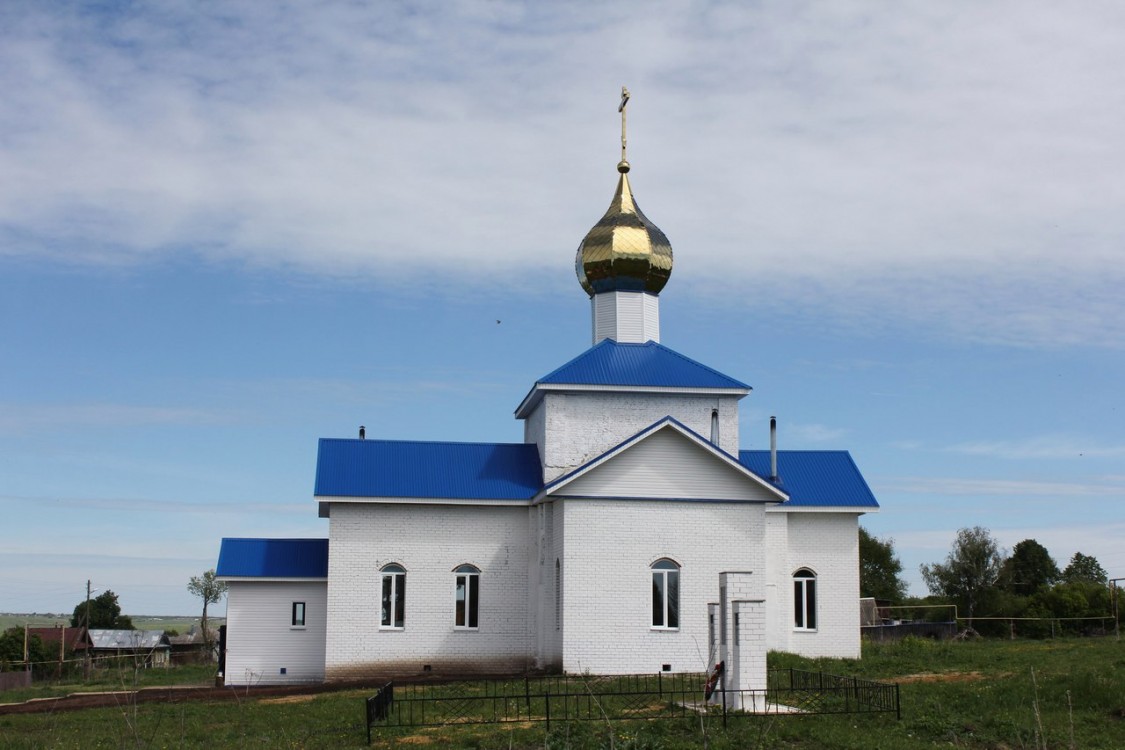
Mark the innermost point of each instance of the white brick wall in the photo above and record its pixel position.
(606, 548)
(607, 579)
(429, 542)
(261, 640)
(573, 428)
(827, 544)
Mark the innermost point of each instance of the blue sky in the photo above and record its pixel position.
(229, 229)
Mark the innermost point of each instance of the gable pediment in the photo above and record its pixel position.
(666, 462)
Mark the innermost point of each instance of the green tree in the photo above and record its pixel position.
(211, 591)
(1029, 569)
(1084, 568)
(970, 570)
(105, 612)
(11, 649)
(879, 568)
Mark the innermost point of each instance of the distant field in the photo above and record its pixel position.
(180, 624)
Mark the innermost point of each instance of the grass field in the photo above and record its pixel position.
(996, 695)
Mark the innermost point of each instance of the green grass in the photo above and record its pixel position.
(978, 695)
(118, 677)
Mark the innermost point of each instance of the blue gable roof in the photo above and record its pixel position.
(814, 478)
(273, 558)
(401, 468)
(649, 364)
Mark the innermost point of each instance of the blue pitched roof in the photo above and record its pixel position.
(400, 468)
(650, 364)
(273, 558)
(814, 478)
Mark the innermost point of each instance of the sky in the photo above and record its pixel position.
(229, 229)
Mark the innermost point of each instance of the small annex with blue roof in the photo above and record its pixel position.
(625, 532)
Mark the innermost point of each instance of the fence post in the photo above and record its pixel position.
(527, 694)
(723, 687)
(547, 707)
(898, 704)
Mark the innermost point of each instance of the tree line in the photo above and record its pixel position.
(1023, 592)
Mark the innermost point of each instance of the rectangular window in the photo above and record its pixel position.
(804, 601)
(298, 618)
(467, 597)
(394, 599)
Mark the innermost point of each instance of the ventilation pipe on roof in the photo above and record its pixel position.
(715, 426)
(362, 433)
(773, 449)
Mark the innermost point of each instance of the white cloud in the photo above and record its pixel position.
(968, 486)
(1040, 447)
(20, 418)
(813, 433)
(955, 165)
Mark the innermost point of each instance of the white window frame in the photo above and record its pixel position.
(298, 623)
(394, 575)
(804, 600)
(665, 588)
(466, 587)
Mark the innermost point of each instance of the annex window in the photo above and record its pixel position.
(804, 599)
(297, 620)
(467, 597)
(665, 594)
(394, 597)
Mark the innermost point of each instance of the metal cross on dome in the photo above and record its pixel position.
(621, 109)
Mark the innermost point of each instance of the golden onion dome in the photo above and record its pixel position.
(624, 252)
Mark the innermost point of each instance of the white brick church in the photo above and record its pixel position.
(604, 541)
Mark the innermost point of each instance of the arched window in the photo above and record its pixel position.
(466, 600)
(394, 597)
(665, 594)
(804, 599)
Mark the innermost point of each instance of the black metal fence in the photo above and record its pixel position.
(623, 697)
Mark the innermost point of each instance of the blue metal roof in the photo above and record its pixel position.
(814, 478)
(273, 558)
(399, 468)
(650, 364)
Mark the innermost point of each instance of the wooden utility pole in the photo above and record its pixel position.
(86, 620)
(1114, 597)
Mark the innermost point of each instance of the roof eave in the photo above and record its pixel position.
(811, 508)
(535, 395)
(272, 579)
(324, 500)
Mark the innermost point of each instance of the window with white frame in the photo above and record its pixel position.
(804, 600)
(467, 597)
(665, 594)
(394, 597)
(297, 618)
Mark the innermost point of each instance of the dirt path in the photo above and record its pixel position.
(78, 701)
